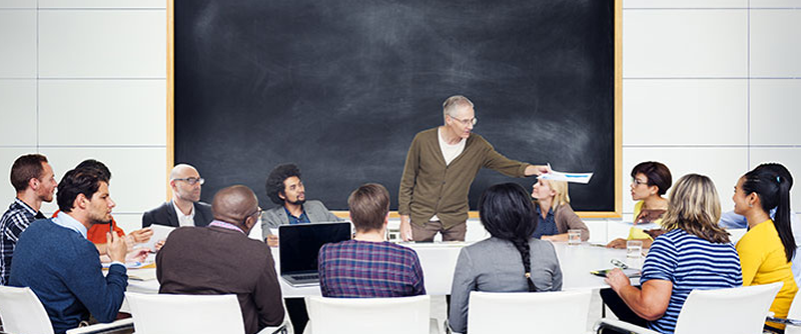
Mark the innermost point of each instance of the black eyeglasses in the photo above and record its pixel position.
(192, 180)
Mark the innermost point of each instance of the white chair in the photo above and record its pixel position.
(198, 314)
(544, 312)
(22, 313)
(402, 315)
(733, 311)
(794, 315)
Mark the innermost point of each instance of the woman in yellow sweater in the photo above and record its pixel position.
(768, 247)
(649, 181)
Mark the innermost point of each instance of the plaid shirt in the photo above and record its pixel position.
(355, 268)
(13, 223)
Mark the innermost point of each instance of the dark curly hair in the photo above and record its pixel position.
(275, 182)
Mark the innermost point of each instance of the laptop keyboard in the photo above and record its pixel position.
(305, 277)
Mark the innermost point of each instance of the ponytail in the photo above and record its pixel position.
(525, 253)
(772, 183)
(782, 218)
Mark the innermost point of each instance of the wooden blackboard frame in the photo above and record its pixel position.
(618, 112)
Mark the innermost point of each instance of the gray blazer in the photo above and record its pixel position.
(276, 216)
(494, 265)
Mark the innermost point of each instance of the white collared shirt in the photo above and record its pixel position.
(66, 221)
(184, 220)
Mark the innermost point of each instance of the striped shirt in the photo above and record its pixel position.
(354, 269)
(14, 221)
(689, 262)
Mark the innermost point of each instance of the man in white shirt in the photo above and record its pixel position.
(185, 208)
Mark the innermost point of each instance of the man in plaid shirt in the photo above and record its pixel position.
(34, 181)
(368, 265)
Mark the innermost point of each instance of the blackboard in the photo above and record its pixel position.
(341, 87)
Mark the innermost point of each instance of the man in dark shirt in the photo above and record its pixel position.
(34, 181)
(221, 259)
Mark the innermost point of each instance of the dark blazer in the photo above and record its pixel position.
(165, 215)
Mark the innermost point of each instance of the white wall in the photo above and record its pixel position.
(709, 86)
(81, 79)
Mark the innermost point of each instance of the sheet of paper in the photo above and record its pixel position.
(582, 178)
(142, 274)
(160, 232)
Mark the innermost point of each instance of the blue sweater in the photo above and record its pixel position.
(63, 269)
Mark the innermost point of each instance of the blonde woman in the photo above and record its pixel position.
(694, 253)
(555, 216)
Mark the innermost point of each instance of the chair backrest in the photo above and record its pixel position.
(733, 311)
(540, 312)
(794, 313)
(402, 315)
(22, 313)
(197, 314)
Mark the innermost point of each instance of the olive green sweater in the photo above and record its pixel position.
(430, 187)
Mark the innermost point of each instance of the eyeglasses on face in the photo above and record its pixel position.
(638, 182)
(192, 180)
(466, 122)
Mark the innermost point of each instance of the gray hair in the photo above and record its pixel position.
(454, 102)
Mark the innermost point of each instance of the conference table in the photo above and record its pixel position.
(439, 261)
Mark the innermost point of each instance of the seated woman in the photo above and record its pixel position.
(555, 216)
(731, 220)
(694, 253)
(768, 247)
(368, 265)
(494, 264)
(649, 181)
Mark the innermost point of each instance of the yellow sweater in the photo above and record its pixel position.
(637, 233)
(763, 262)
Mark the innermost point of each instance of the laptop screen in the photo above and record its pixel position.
(299, 244)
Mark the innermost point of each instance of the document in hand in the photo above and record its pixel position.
(582, 178)
(630, 273)
(160, 232)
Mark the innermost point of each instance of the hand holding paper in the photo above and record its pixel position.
(582, 178)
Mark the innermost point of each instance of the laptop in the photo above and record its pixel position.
(299, 245)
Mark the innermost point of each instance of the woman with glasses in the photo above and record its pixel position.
(554, 214)
(649, 181)
(509, 261)
(694, 253)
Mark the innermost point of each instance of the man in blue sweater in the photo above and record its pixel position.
(54, 258)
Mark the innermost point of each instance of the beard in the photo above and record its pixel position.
(297, 202)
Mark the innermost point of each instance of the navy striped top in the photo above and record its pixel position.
(689, 262)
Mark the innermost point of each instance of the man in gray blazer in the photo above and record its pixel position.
(284, 187)
(185, 208)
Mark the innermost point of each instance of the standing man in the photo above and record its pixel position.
(440, 167)
(221, 259)
(54, 258)
(285, 187)
(185, 209)
(34, 181)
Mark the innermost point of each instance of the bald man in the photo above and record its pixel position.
(185, 208)
(221, 259)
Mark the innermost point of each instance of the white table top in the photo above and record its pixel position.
(439, 261)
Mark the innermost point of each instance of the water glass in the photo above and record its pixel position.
(633, 249)
(574, 237)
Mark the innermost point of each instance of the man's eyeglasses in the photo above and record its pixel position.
(258, 213)
(192, 180)
(466, 122)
